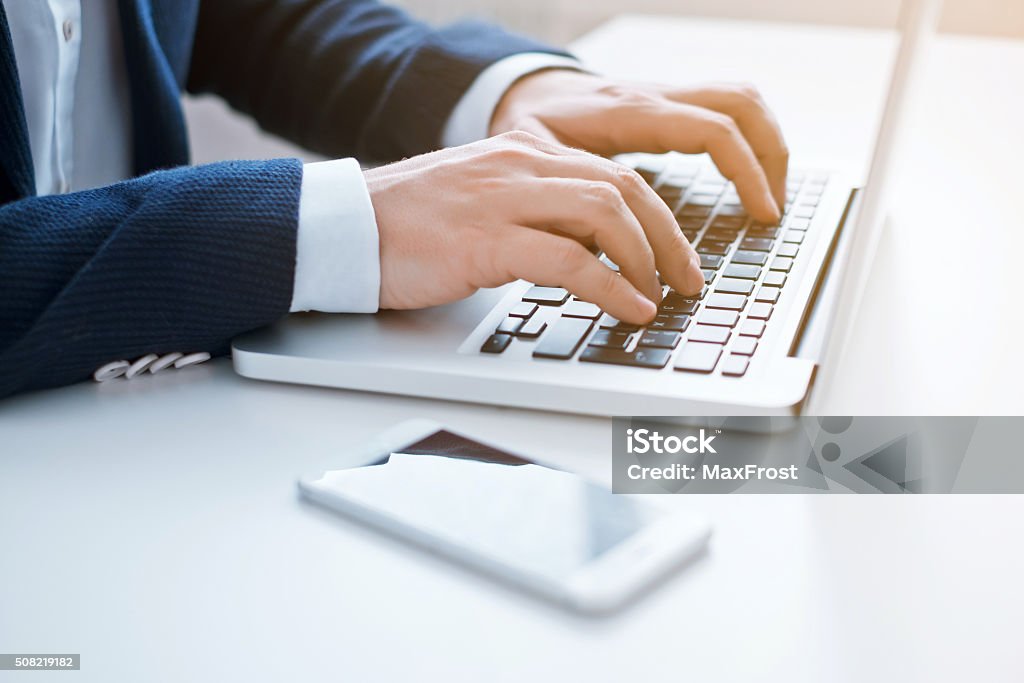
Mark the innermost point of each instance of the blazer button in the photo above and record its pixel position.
(111, 370)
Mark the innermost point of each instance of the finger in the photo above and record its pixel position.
(586, 209)
(546, 259)
(701, 130)
(755, 120)
(673, 254)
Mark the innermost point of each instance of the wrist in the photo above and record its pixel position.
(529, 94)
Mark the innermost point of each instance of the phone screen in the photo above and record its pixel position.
(533, 518)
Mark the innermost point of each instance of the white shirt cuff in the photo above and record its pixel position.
(470, 120)
(337, 253)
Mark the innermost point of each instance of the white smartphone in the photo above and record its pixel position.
(551, 532)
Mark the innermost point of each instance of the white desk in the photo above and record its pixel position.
(153, 526)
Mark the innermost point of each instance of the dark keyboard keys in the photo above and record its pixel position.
(531, 329)
(641, 358)
(496, 343)
(732, 210)
(744, 346)
(581, 309)
(735, 366)
(728, 222)
(741, 271)
(677, 303)
(774, 279)
(733, 286)
(693, 211)
(608, 322)
(760, 311)
(756, 244)
(546, 296)
(712, 247)
(767, 231)
(661, 340)
(711, 261)
(712, 316)
(509, 326)
(752, 328)
(610, 339)
(669, 323)
(711, 334)
(721, 235)
(731, 302)
(767, 294)
(782, 264)
(696, 357)
(523, 309)
(754, 258)
(563, 338)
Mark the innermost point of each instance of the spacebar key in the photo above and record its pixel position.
(564, 337)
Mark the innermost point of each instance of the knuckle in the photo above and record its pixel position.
(629, 179)
(520, 138)
(602, 193)
(720, 125)
(570, 256)
(749, 92)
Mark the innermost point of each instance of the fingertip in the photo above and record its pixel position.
(645, 308)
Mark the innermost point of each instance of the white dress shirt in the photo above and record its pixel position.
(77, 106)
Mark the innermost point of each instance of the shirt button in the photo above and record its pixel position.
(69, 30)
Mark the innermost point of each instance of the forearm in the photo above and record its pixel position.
(176, 260)
(343, 77)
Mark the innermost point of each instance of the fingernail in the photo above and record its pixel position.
(645, 307)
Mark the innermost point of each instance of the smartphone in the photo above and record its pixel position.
(550, 532)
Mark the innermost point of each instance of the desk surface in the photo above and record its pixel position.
(153, 525)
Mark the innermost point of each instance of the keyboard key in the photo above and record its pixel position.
(523, 309)
(709, 333)
(735, 366)
(712, 247)
(703, 199)
(767, 294)
(721, 234)
(728, 222)
(752, 328)
(766, 231)
(732, 211)
(709, 275)
(803, 211)
(781, 263)
(546, 296)
(608, 322)
(793, 237)
(661, 340)
(496, 343)
(564, 337)
(689, 223)
(509, 326)
(641, 358)
(774, 279)
(787, 249)
(531, 329)
(744, 346)
(676, 303)
(711, 261)
(693, 211)
(798, 224)
(754, 258)
(712, 316)
(698, 357)
(580, 309)
(674, 323)
(756, 244)
(732, 286)
(760, 310)
(732, 302)
(741, 271)
(611, 339)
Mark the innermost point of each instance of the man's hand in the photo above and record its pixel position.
(605, 117)
(516, 206)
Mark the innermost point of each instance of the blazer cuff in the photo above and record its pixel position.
(337, 254)
(471, 119)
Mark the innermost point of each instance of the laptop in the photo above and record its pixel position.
(761, 339)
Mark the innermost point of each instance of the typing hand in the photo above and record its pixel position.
(605, 117)
(516, 206)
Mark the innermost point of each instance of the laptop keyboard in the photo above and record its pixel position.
(746, 266)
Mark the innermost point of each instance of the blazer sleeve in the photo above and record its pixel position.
(343, 77)
(177, 260)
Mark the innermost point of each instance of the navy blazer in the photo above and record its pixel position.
(185, 258)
